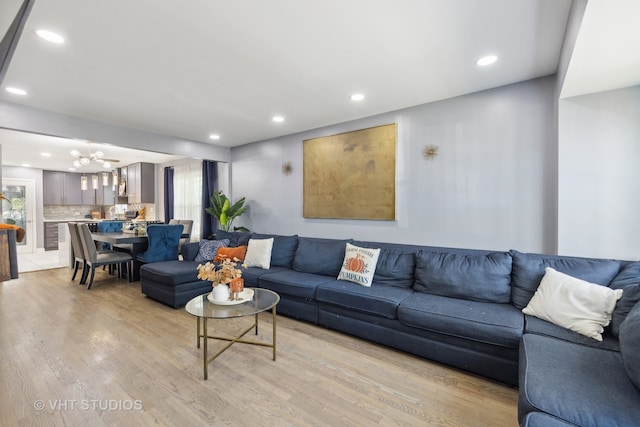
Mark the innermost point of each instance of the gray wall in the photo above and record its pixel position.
(599, 182)
(492, 185)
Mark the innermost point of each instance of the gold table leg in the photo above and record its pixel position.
(205, 338)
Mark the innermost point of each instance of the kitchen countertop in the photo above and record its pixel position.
(73, 220)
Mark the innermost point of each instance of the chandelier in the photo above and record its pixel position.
(94, 156)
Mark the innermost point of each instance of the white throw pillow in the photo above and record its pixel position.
(359, 265)
(259, 253)
(574, 304)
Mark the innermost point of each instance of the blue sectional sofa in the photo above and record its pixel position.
(459, 307)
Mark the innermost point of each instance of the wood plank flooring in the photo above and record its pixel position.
(111, 356)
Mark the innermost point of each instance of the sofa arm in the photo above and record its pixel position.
(190, 250)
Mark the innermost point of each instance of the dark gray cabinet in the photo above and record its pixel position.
(141, 183)
(105, 195)
(64, 188)
(50, 236)
(53, 188)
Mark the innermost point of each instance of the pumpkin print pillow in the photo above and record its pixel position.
(359, 265)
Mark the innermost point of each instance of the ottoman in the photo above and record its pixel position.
(172, 283)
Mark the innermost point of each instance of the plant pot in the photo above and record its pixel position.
(220, 293)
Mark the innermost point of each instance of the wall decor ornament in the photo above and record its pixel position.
(430, 152)
(351, 175)
(287, 168)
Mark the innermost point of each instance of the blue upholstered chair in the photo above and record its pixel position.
(110, 226)
(163, 243)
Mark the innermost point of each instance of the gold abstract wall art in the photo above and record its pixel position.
(351, 175)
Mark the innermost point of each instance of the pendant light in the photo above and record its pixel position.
(83, 183)
(94, 182)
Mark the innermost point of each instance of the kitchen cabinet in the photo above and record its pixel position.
(50, 236)
(64, 188)
(141, 183)
(105, 195)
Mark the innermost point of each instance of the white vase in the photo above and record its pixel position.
(220, 293)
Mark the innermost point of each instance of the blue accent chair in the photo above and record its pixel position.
(163, 243)
(109, 227)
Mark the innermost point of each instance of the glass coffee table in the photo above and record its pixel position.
(203, 309)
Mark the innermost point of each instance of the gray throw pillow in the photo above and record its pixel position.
(630, 344)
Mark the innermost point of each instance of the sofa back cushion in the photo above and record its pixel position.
(283, 251)
(528, 270)
(319, 256)
(629, 281)
(396, 264)
(481, 277)
(630, 344)
(235, 238)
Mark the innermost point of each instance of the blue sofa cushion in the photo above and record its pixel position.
(630, 345)
(378, 300)
(294, 283)
(629, 281)
(320, 256)
(170, 273)
(540, 419)
(208, 248)
(235, 238)
(528, 270)
(252, 274)
(630, 298)
(578, 384)
(190, 251)
(534, 325)
(396, 266)
(283, 250)
(490, 323)
(473, 277)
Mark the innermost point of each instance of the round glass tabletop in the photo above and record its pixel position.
(263, 300)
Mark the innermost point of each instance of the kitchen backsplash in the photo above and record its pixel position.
(59, 212)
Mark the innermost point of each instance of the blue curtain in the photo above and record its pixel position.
(209, 186)
(168, 194)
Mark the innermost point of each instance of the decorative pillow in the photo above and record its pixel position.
(359, 265)
(574, 304)
(259, 253)
(630, 345)
(231, 253)
(209, 248)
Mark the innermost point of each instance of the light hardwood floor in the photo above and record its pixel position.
(111, 356)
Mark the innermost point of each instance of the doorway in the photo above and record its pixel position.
(20, 209)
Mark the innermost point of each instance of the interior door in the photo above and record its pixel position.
(20, 209)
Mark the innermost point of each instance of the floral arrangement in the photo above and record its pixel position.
(222, 273)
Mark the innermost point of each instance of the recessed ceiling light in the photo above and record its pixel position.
(214, 136)
(357, 97)
(72, 169)
(50, 36)
(278, 119)
(16, 91)
(26, 165)
(45, 154)
(486, 60)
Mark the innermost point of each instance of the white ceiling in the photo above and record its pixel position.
(196, 67)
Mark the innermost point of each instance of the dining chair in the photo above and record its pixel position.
(78, 253)
(188, 225)
(163, 243)
(96, 259)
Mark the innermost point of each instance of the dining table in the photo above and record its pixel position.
(139, 243)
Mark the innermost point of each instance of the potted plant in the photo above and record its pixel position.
(225, 212)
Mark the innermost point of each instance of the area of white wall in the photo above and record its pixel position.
(599, 180)
(492, 185)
